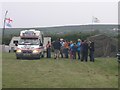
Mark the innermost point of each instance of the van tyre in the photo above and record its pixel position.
(42, 56)
(38, 57)
(17, 57)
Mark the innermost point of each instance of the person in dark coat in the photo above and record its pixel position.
(84, 50)
(56, 46)
(91, 53)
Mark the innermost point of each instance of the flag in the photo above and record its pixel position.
(8, 22)
(95, 20)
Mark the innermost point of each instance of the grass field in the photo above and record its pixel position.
(63, 73)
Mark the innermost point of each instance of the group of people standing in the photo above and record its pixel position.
(73, 50)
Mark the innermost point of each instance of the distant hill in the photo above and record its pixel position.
(107, 29)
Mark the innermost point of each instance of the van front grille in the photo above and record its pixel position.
(27, 51)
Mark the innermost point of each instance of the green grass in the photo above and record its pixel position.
(64, 73)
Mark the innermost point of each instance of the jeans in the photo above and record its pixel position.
(74, 55)
(78, 52)
(66, 52)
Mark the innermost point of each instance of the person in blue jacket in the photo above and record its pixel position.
(78, 48)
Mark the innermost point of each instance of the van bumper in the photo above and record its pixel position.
(28, 55)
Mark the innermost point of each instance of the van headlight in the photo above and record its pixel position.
(35, 51)
(18, 51)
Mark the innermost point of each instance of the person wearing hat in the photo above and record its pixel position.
(78, 48)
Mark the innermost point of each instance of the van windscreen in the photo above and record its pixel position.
(29, 41)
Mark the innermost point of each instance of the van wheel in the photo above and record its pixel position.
(17, 57)
(42, 56)
(38, 57)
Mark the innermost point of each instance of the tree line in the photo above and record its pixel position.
(68, 36)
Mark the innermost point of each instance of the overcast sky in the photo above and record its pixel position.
(42, 14)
